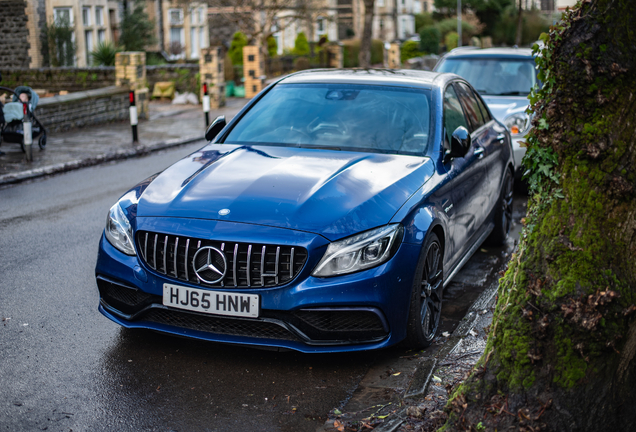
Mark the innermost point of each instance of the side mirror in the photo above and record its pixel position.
(215, 127)
(460, 142)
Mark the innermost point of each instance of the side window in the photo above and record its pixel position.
(453, 115)
(484, 110)
(470, 105)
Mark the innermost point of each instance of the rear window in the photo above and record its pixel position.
(495, 77)
(366, 118)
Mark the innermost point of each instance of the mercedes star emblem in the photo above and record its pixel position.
(209, 264)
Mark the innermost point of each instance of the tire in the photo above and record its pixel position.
(503, 213)
(42, 141)
(425, 308)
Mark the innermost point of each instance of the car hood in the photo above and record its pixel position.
(503, 106)
(331, 193)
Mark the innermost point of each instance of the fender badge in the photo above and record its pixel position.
(224, 212)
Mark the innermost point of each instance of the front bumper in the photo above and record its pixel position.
(360, 311)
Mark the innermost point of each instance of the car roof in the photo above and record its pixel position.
(490, 52)
(391, 77)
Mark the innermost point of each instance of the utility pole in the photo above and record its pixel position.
(459, 22)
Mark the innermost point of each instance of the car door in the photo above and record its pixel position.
(467, 178)
(487, 145)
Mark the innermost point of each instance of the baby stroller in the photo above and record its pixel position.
(13, 113)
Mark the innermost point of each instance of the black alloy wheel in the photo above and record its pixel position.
(503, 212)
(426, 299)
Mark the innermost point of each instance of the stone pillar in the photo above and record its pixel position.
(253, 71)
(336, 56)
(212, 72)
(130, 71)
(394, 56)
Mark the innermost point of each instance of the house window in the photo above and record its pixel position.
(101, 36)
(88, 37)
(99, 16)
(63, 15)
(202, 41)
(193, 17)
(194, 52)
(381, 3)
(86, 16)
(201, 19)
(417, 7)
(321, 25)
(176, 16)
(425, 4)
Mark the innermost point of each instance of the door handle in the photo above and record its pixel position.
(479, 152)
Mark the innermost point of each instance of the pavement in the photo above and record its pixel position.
(168, 126)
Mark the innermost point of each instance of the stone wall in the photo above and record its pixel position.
(61, 78)
(73, 79)
(185, 76)
(81, 109)
(14, 34)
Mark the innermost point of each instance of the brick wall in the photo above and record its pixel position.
(14, 34)
(82, 109)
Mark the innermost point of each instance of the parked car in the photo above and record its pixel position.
(328, 215)
(503, 77)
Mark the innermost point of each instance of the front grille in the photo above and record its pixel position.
(248, 265)
(227, 326)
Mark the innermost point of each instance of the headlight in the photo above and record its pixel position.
(118, 230)
(360, 252)
(517, 123)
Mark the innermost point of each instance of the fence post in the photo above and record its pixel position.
(27, 128)
(133, 116)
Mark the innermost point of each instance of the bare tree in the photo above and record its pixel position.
(260, 19)
(364, 56)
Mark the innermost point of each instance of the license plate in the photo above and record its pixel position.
(212, 302)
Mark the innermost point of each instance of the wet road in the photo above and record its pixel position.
(66, 367)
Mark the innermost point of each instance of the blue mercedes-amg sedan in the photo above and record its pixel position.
(327, 216)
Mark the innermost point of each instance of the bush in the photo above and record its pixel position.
(409, 50)
(272, 46)
(104, 54)
(451, 40)
(301, 45)
(351, 50)
(137, 29)
(430, 38)
(239, 40)
(61, 46)
(423, 20)
(301, 63)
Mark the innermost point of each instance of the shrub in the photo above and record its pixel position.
(61, 46)
(451, 40)
(301, 63)
(423, 20)
(409, 50)
(301, 45)
(351, 50)
(430, 38)
(239, 40)
(104, 54)
(272, 46)
(137, 29)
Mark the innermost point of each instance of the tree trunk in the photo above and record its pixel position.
(561, 350)
(519, 25)
(364, 56)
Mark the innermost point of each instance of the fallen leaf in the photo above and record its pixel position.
(396, 374)
(437, 379)
(446, 334)
(337, 411)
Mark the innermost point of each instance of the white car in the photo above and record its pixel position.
(503, 77)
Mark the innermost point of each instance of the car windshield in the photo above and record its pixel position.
(339, 116)
(495, 77)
